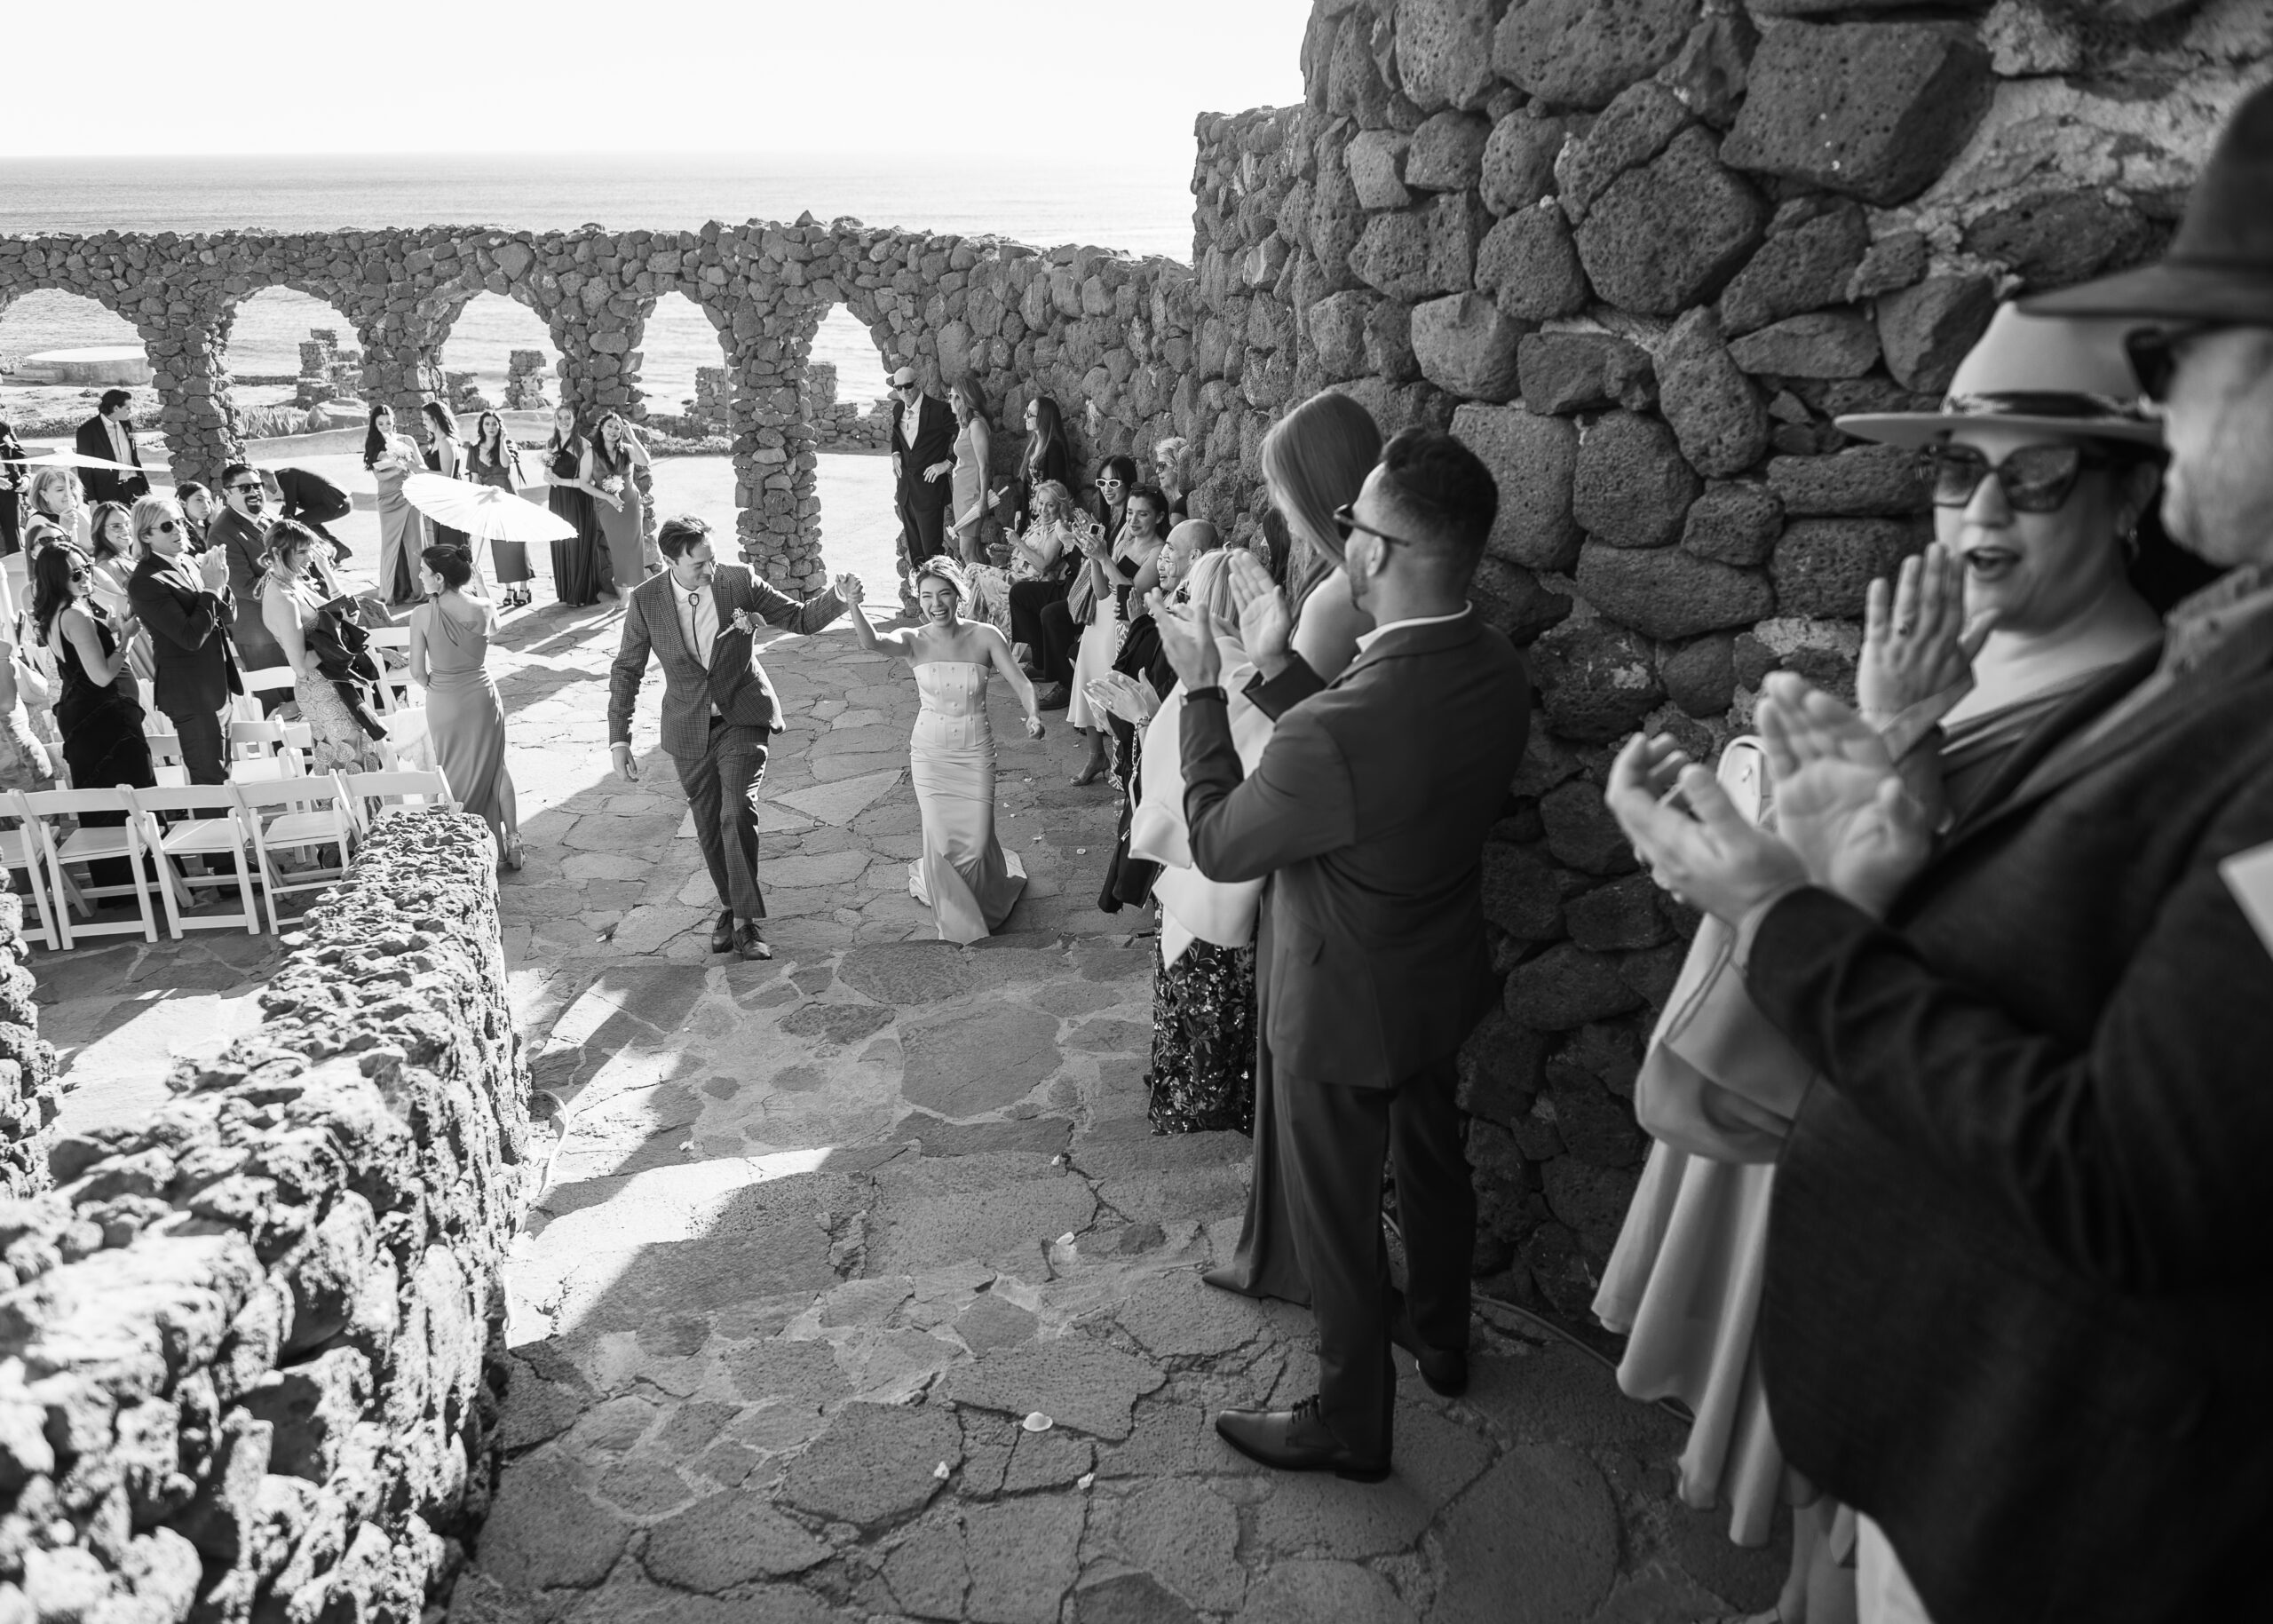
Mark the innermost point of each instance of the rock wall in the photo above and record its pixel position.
(30, 1092)
(243, 1344)
(1107, 336)
(1639, 253)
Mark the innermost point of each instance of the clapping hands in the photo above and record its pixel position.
(1265, 626)
(1839, 800)
(1118, 693)
(1918, 644)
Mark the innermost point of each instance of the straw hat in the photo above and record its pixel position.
(2219, 267)
(2060, 375)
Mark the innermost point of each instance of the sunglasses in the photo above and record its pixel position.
(1109, 485)
(2034, 478)
(2154, 354)
(164, 527)
(247, 490)
(1345, 520)
(76, 574)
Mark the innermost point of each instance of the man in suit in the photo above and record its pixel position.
(109, 434)
(2016, 1305)
(923, 456)
(304, 495)
(187, 608)
(239, 533)
(698, 617)
(1368, 809)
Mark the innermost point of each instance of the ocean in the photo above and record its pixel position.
(1140, 212)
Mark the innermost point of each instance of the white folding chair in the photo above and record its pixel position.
(84, 844)
(166, 763)
(262, 752)
(395, 790)
(20, 850)
(390, 649)
(268, 679)
(221, 832)
(296, 814)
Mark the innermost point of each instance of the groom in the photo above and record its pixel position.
(699, 616)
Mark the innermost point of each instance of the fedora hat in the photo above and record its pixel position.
(2048, 373)
(2220, 265)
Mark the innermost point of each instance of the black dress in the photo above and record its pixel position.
(576, 558)
(103, 741)
(444, 537)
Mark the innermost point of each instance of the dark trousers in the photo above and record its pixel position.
(722, 785)
(1055, 653)
(202, 752)
(1029, 600)
(923, 528)
(1334, 1141)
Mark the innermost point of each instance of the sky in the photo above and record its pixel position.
(1065, 81)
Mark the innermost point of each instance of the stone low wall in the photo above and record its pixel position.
(30, 1093)
(243, 1345)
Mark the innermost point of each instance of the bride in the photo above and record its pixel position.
(964, 875)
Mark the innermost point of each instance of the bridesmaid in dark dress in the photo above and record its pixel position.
(445, 455)
(494, 459)
(576, 579)
(98, 706)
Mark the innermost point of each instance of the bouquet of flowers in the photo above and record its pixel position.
(612, 485)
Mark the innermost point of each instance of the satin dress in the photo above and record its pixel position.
(404, 531)
(467, 721)
(964, 876)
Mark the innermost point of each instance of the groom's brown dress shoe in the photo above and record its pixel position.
(722, 934)
(1295, 1440)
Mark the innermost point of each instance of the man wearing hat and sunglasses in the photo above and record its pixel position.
(923, 456)
(2016, 1306)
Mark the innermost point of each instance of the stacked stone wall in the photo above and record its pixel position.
(245, 1345)
(31, 1093)
(1640, 253)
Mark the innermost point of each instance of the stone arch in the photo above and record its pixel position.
(51, 323)
(669, 350)
(503, 323)
(280, 342)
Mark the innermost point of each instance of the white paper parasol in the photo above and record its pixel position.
(484, 511)
(71, 459)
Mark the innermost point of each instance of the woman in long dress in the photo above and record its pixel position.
(403, 531)
(576, 565)
(306, 625)
(449, 644)
(97, 706)
(2030, 568)
(970, 882)
(974, 444)
(1314, 460)
(445, 455)
(1112, 568)
(611, 467)
(494, 459)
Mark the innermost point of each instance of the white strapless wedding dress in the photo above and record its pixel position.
(964, 876)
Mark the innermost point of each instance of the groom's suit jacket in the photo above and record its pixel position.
(1368, 810)
(733, 682)
(2019, 1299)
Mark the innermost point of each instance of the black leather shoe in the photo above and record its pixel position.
(1444, 1369)
(1295, 1440)
(749, 941)
(722, 934)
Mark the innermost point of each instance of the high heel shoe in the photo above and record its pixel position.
(513, 859)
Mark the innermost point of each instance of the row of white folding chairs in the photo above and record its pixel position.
(208, 821)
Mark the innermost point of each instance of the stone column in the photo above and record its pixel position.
(194, 409)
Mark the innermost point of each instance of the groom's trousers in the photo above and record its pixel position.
(722, 786)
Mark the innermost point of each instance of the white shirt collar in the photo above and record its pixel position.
(1368, 639)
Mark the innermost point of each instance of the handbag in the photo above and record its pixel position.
(1082, 597)
(1719, 1079)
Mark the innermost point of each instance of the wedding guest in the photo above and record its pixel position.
(445, 455)
(52, 512)
(197, 510)
(449, 650)
(404, 532)
(963, 876)
(614, 462)
(239, 532)
(2015, 1301)
(109, 434)
(1044, 557)
(333, 683)
(495, 461)
(973, 446)
(577, 565)
(1368, 809)
(98, 706)
(717, 709)
(25, 760)
(185, 608)
(1107, 573)
(111, 554)
(1315, 462)
(1047, 458)
(13, 476)
(923, 456)
(1168, 473)
(304, 495)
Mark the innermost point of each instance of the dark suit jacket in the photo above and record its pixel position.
(248, 549)
(734, 681)
(934, 442)
(195, 669)
(310, 497)
(2017, 1304)
(101, 484)
(1369, 809)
